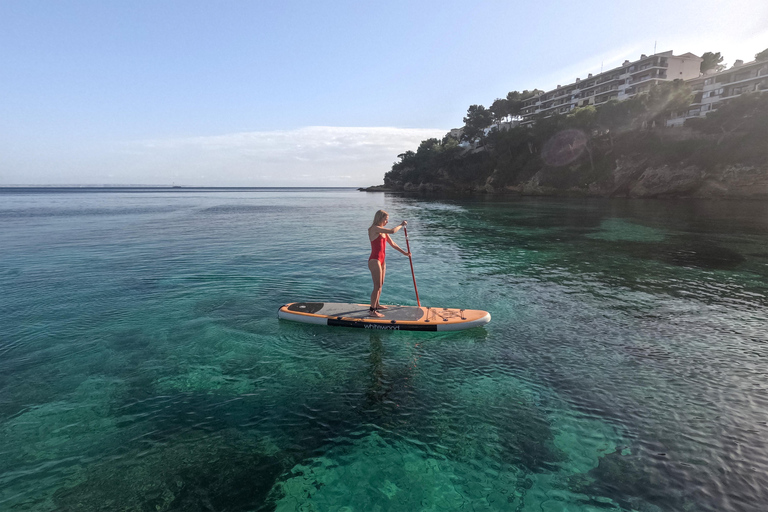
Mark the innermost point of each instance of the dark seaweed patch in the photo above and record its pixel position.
(702, 255)
(223, 472)
(623, 479)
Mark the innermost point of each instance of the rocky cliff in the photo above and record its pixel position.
(724, 155)
(633, 178)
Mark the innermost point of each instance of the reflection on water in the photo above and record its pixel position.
(142, 365)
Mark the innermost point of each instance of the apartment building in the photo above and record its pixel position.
(623, 82)
(712, 89)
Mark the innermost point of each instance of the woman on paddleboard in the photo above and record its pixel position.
(379, 235)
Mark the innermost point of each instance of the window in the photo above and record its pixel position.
(716, 92)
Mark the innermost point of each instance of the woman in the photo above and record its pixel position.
(378, 235)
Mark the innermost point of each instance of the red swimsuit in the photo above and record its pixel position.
(377, 248)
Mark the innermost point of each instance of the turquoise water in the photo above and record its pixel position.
(142, 365)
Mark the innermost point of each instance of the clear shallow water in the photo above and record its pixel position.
(142, 365)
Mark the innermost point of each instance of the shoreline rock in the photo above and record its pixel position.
(630, 178)
(376, 188)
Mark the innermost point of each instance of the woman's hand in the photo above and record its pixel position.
(404, 223)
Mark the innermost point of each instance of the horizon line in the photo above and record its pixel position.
(174, 186)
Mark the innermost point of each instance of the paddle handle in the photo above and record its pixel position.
(410, 259)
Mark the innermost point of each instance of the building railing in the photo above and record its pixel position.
(607, 79)
(646, 78)
(608, 90)
(647, 67)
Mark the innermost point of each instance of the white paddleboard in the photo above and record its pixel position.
(395, 318)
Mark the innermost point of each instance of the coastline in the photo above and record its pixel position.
(630, 178)
(377, 188)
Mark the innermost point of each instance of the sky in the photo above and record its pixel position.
(300, 93)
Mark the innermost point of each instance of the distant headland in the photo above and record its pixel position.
(633, 131)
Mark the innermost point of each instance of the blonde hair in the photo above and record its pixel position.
(379, 217)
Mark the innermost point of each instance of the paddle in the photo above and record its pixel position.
(408, 247)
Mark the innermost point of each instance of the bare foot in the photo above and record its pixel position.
(381, 307)
(373, 312)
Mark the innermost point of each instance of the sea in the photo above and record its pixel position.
(143, 366)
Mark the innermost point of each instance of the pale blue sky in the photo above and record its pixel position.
(292, 93)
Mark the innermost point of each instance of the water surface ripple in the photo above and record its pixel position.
(142, 366)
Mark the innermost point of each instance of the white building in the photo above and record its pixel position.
(712, 89)
(620, 83)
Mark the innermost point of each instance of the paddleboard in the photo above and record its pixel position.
(396, 318)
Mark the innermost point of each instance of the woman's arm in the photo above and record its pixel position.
(389, 231)
(397, 247)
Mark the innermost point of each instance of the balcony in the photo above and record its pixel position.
(648, 66)
(652, 76)
(608, 79)
(608, 90)
(606, 99)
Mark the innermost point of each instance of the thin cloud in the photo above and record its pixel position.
(314, 155)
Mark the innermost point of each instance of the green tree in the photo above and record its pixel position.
(665, 98)
(405, 157)
(711, 61)
(499, 109)
(448, 139)
(515, 100)
(619, 116)
(407, 160)
(584, 118)
(747, 113)
(763, 55)
(477, 120)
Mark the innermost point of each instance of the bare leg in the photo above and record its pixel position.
(383, 273)
(376, 273)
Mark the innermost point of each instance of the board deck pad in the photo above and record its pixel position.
(406, 318)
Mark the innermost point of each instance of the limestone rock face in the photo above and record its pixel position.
(732, 181)
(635, 179)
(629, 177)
(736, 181)
(489, 186)
(666, 181)
(423, 188)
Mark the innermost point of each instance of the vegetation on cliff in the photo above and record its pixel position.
(581, 150)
